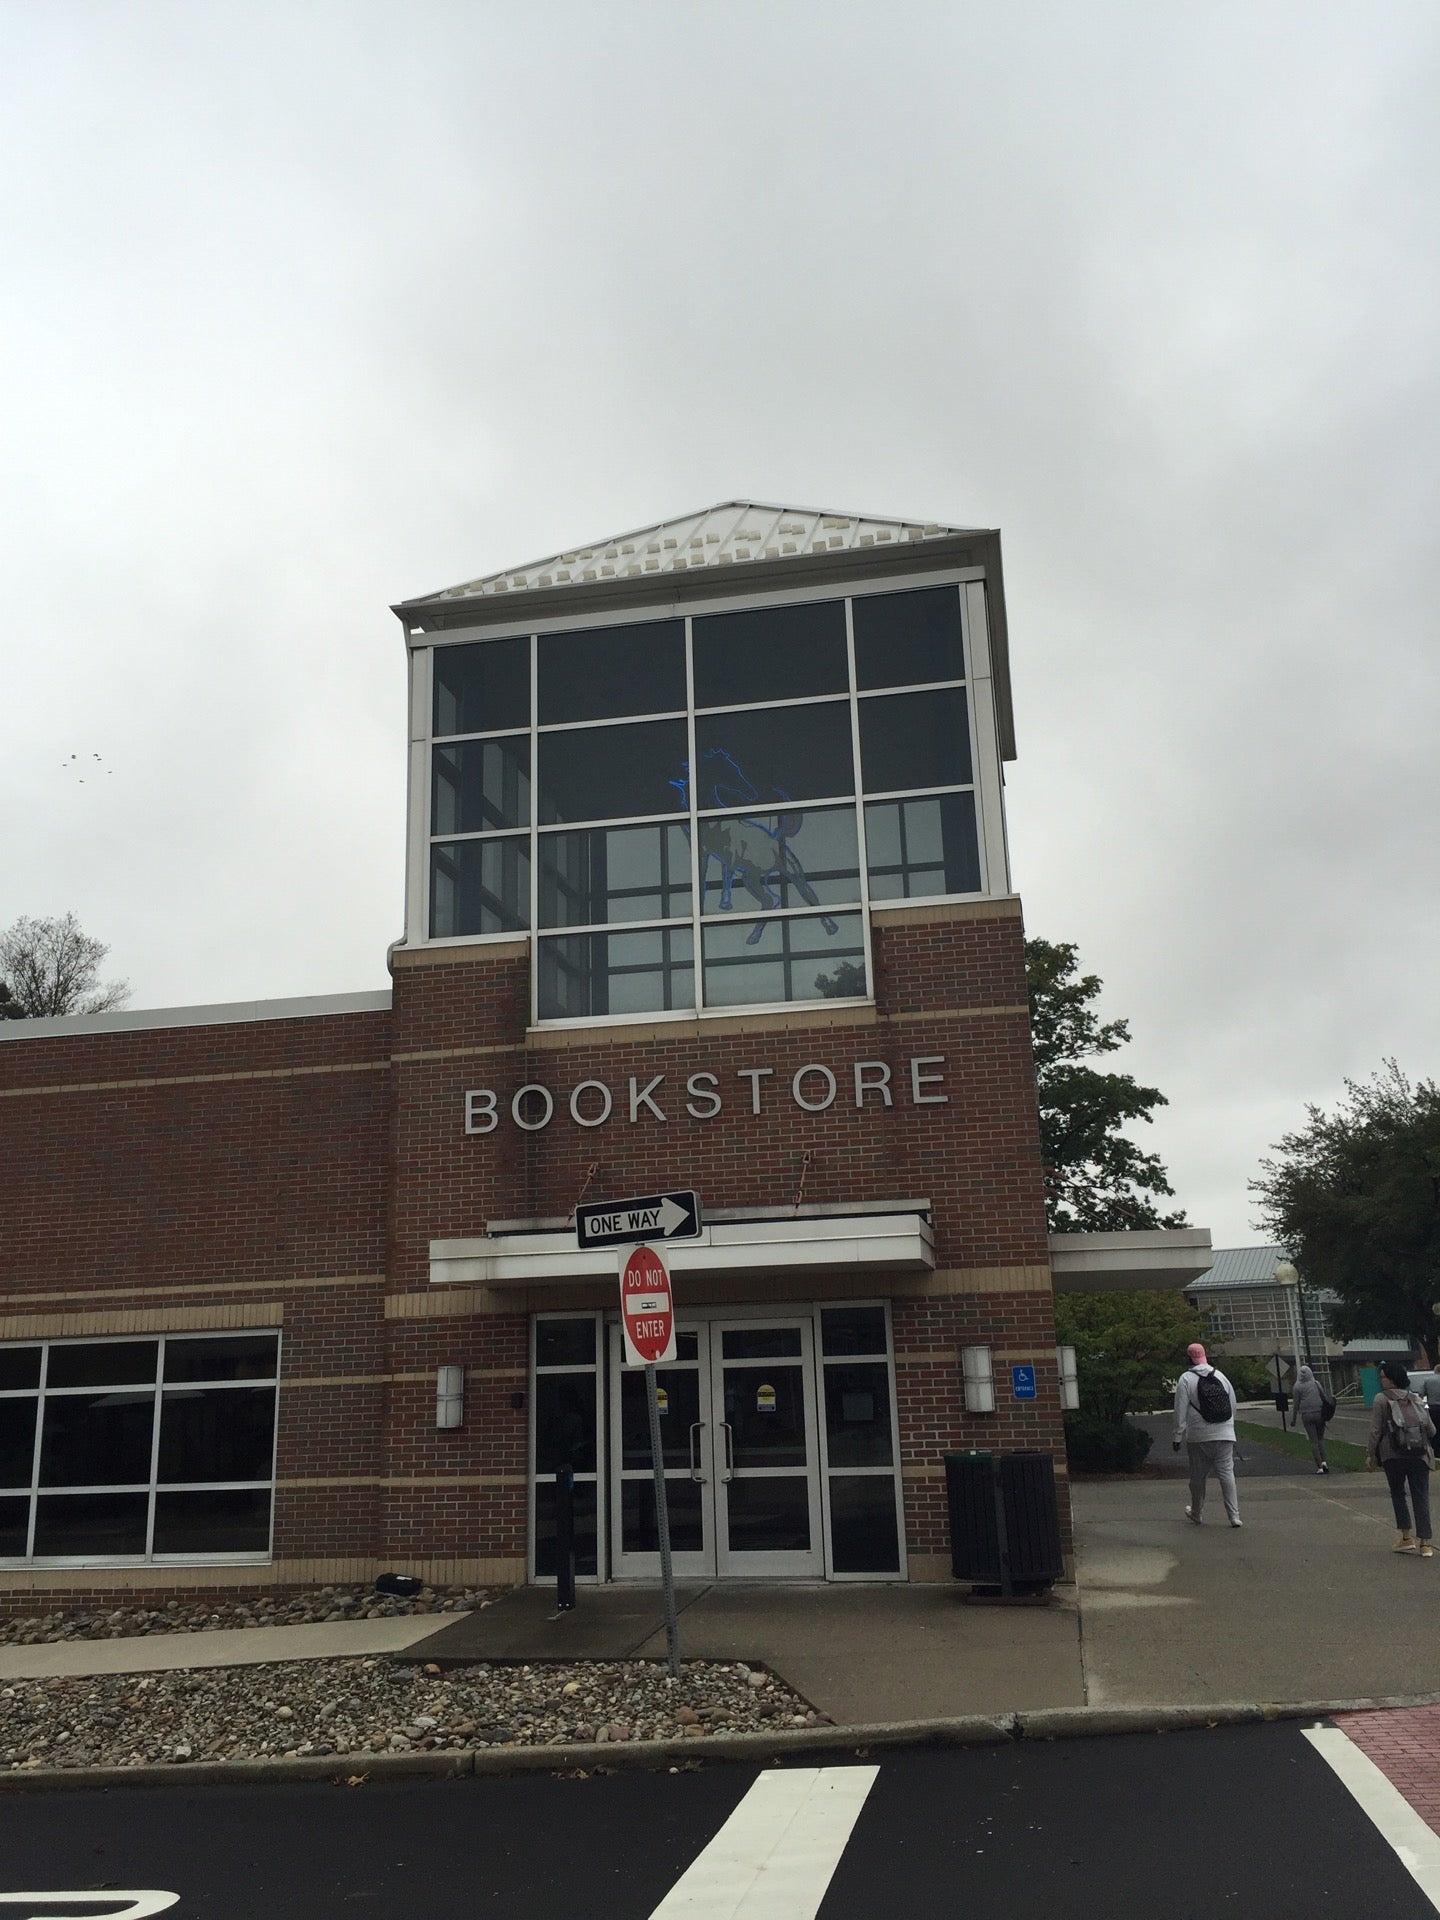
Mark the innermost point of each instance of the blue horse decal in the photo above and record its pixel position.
(753, 854)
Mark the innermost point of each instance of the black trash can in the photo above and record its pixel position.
(1004, 1521)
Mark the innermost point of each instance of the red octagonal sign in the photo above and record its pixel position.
(647, 1312)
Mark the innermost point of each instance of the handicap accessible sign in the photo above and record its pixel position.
(1022, 1382)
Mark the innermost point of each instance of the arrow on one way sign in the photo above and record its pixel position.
(631, 1223)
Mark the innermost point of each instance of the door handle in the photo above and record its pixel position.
(727, 1472)
(697, 1426)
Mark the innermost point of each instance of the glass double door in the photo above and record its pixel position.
(741, 1449)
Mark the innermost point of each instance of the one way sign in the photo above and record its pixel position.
(630, 1223)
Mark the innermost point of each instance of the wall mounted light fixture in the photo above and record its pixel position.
(979, 1370)
(449, 1398)
(1069, 1379)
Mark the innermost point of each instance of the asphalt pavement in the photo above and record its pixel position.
(1246, 1822)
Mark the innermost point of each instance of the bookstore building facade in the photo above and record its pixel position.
(707, 887)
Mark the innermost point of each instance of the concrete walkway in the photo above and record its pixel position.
(1306, 1601)
(232, 1647)
(858, 1653)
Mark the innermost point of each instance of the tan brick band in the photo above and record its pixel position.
(139, 1289)
(412, 1480)
(275, 1573)
(194, 1079)
(220, 1317)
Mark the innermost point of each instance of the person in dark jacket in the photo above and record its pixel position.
(1310, 1410)
(1401, 1432)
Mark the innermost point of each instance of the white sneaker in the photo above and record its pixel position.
(1237, 1523)
(1193, 1517)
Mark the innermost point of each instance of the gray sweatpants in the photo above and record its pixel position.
(1217, 1457)
(1315, 1432)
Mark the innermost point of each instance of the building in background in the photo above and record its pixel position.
(1249, 1314)
(707, 887)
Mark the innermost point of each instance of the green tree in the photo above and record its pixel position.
(1097, 1180)
(1355, 1197)
(50, 967)
(1129, 1347)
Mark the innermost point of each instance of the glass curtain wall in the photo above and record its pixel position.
(694, 813)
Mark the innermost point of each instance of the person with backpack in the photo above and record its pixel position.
(1401, 1431)
(1205, 1422)
(1314, 1408)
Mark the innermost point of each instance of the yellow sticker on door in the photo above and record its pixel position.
(765, 1399)
(662, 1400)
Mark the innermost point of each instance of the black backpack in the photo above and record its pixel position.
(1212, 1397)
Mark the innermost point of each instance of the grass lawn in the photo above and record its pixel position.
(1343, 1456)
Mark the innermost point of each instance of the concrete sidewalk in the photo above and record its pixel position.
(231, 1647)
(858, 1653)
(1306, 1601)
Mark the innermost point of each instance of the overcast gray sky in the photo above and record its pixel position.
(307, 308)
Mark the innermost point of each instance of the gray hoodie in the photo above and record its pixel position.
(1309, 1402)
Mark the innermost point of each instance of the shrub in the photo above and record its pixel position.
(1104, 1446)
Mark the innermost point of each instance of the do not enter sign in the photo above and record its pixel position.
(647, 1312)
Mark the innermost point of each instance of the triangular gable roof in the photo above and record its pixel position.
(735, 532)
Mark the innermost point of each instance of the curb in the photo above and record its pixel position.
(966, 1730)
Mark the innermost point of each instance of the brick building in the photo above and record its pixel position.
(707, 887)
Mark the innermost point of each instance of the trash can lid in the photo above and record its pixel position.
(972, 1453)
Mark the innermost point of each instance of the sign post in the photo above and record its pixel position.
(647, 1319)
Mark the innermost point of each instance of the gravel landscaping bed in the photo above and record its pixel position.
(201, 1616)
(353, 1708)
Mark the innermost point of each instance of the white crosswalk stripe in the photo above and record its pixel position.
(1417, 1848)
(777, 1853)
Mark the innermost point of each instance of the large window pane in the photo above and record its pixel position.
(774, 753)
(91, 1525)
(249, 1356)
(102, 1363)
(846, 1330)
(799, 959)
(769, 1515)
(231, 1520)
(765, 1410)
(482, 687)
(638, 1530)
(907, 639)
(14, 1529)
(479, 886)
(679, 1410)
(922, 847)
(770, 653)
(857, 1414)
(582, 975)
(97, 1439)
(19, 1367)
(480, 785)
(17, 1442)
(614, 873)
(565, 1422)
(611, 773)
(914, 740)
(224, 1433)
(799, 858)
(864, 1537)
(565, 1343)
(610, 671)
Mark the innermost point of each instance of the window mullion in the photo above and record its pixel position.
(693, 830)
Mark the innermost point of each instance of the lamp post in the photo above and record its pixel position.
(1288, 1280)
